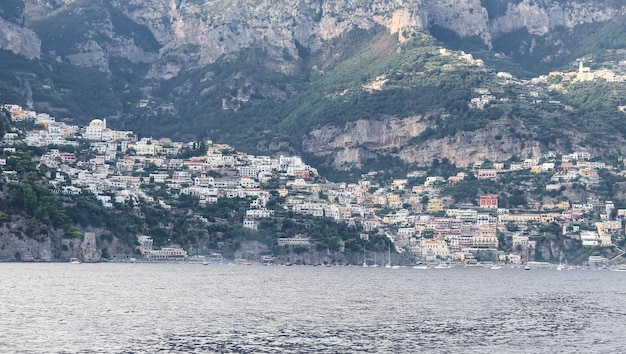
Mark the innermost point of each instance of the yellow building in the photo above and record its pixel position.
(486, 237)
(393, 198)
(564, 205)
(434, 205)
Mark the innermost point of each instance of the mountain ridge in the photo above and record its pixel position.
(285, 76)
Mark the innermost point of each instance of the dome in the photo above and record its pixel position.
(96, 123)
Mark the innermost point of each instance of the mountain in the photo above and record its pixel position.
(348, 84)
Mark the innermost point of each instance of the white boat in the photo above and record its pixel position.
(560, 267)
(420, 266)
(74, 261)
(442, 266)
(388, 265)
(497, 264)
(364, 258)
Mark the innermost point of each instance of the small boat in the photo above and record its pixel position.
(74, 261)
(497, 264)
(205, 263)
(560, 267)
(420, 266)
(442, 266)
(364, 258)
(527, 268)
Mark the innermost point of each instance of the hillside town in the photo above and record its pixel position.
(413, 212)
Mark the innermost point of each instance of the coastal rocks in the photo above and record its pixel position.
(15, 246)
(23, 249)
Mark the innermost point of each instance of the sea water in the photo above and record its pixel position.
(191, 308)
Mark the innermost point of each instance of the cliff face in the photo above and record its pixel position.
(49, 246)
(197, 33)
(352, 144)
(19, 40)
(539, 17)
(13, 248)
(219, 28)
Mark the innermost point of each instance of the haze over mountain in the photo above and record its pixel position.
(348, 84)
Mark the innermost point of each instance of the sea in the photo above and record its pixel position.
(194, 308)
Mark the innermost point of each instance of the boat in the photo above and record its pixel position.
(420, 266)
(74, 261)
(442, 266)
(216, 258)
(375, 265)
(205, 263)
(527, 267)
(268, 260)
(497, 264)
(364, 258)
(560, 267)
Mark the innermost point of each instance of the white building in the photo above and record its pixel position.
(94, 130)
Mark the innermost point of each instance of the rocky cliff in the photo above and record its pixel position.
(197, 33)
(19, 40)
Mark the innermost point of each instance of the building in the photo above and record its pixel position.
(298, 240)
(95, 128)
(432, 249)
(489, 201)
(487, 174)
(434, 205)
(165, 253)
(589, 238)
(250, 224)
(486, 237)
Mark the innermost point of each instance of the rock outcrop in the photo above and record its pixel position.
(19, 40)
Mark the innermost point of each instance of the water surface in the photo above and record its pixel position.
(188, 308)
